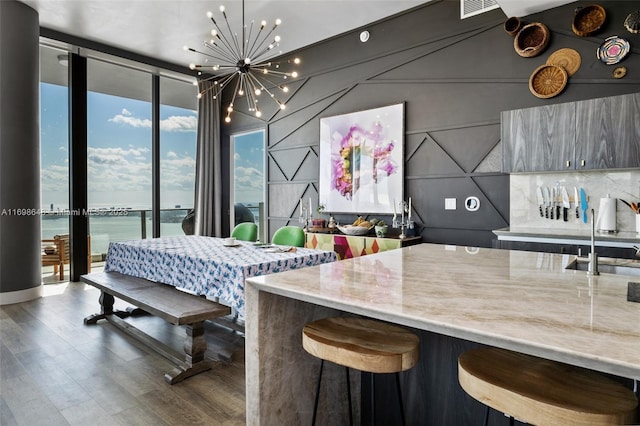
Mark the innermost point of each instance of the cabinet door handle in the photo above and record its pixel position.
(582, 163)
(568, 163)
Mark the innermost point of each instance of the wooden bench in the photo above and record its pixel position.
(166, 302)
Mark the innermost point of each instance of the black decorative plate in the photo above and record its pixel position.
(613, 50)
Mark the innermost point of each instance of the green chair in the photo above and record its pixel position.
(246, 231)
(289, 236)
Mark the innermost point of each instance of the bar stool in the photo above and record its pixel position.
(363, 344)
(539, 391)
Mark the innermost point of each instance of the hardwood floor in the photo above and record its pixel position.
(54, 370)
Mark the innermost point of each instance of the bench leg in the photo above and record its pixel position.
(106, 308)
(195, 346)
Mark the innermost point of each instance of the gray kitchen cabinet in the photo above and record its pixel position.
(601, 133)
(538, 139)
(609, 133)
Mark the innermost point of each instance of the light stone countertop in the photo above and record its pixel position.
(523, 301)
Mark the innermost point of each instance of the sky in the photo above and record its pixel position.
(119, 153)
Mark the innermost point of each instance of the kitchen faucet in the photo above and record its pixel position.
(592, 268)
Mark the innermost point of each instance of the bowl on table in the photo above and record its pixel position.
(354, 229)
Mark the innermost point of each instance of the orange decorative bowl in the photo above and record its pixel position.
(548, 81)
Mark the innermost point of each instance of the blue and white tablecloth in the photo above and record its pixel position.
(204, 265)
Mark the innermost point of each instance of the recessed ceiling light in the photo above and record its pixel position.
(364, 36)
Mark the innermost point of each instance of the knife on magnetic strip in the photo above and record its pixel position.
(565, 204)
(540, 200)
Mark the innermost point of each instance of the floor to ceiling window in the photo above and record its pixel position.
(54, 148)
(248, 177)
(178, 125)
(118, 152)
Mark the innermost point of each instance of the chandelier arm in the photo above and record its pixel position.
(223, 39)
(274, 72)
(245, 45)
(238, 51)
(262, 56)
(262, 86)
(248, 94)
(271, 83)
(224, 46)
(225, 55)
(226, 80)
(190, 49)
(251, 50)
(263, 41)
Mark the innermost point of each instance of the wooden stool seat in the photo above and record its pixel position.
(363, 344)
(540, 391)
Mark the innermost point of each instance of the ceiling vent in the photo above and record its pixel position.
(475, 7)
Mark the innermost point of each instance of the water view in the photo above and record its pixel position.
(128, 225)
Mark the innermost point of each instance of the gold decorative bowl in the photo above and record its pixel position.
(547, 81)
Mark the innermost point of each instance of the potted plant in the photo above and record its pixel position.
(381, 229)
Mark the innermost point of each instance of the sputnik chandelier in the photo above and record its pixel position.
(244, 61)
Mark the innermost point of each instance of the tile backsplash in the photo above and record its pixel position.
(524, 209)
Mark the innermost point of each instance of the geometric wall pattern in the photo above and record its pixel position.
(455, 77)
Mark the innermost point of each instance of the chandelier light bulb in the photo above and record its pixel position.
(294, 74)
(278, 21)
(277, 39)
(258, 92)
(285, 89)
(240, 92)
(192, 66)
(283, 106)
(296, 61)
(215, 34)
(263, 23)
(209, 14)
(222, 9)
(258, 113)
(227, 119)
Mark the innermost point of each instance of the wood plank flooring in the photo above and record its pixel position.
(54, 370)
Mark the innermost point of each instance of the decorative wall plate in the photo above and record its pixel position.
(569, 59)
(613, 50)
(619, 72)
(548, 81)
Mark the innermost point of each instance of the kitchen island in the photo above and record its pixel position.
(456, 298)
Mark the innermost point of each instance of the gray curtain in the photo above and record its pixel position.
(208, 199)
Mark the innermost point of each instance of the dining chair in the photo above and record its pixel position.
(289, 236)
(245, 231)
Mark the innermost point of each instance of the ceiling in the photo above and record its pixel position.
(160, 28)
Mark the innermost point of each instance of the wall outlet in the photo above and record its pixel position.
(449, 203)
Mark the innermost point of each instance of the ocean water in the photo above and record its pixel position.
(104, 229)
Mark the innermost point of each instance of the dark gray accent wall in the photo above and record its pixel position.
(455, 77)
(19, 153)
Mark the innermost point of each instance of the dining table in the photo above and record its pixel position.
(208, 266)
